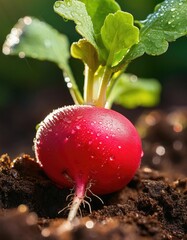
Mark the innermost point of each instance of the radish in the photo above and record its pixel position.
(88, 148)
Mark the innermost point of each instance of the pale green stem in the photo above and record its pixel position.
(88, 85)
(101, 100)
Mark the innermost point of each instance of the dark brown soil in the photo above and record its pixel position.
(152, 206)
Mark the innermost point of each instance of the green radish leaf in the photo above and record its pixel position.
(86, 52)
(76, 11)
(98, 10)
(131, 92)
(32, 38)
(166, 24)
(118, 35)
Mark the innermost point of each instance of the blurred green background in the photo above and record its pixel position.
(30, 89)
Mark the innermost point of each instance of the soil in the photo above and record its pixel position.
(152, 206)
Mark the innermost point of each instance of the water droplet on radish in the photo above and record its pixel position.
(67, 120)
(119, 147)
(79, 117)
(72, 131)
(90, 142)
(107, 137)
(100, 143)
(78, 127)
(66, 139)
(111, 158)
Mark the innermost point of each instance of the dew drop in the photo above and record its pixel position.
(170, 22)
(66, 79)
(78, 127)
(27, 20)
(67, 120)
(173, 9)
(111, 158)
(57, 4)
(21, 54)
(79, 117)
(69, 85)
(119, 147)
(90, 142)
(6, 50)
(100, 143)
(107, 137)
(72, 131)
(66, 139)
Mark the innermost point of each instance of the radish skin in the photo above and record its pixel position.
(81, 146)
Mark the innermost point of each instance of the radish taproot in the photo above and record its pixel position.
(88, 147)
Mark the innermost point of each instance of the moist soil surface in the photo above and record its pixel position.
(152, 206)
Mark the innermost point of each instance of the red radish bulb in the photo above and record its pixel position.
(79, 145)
